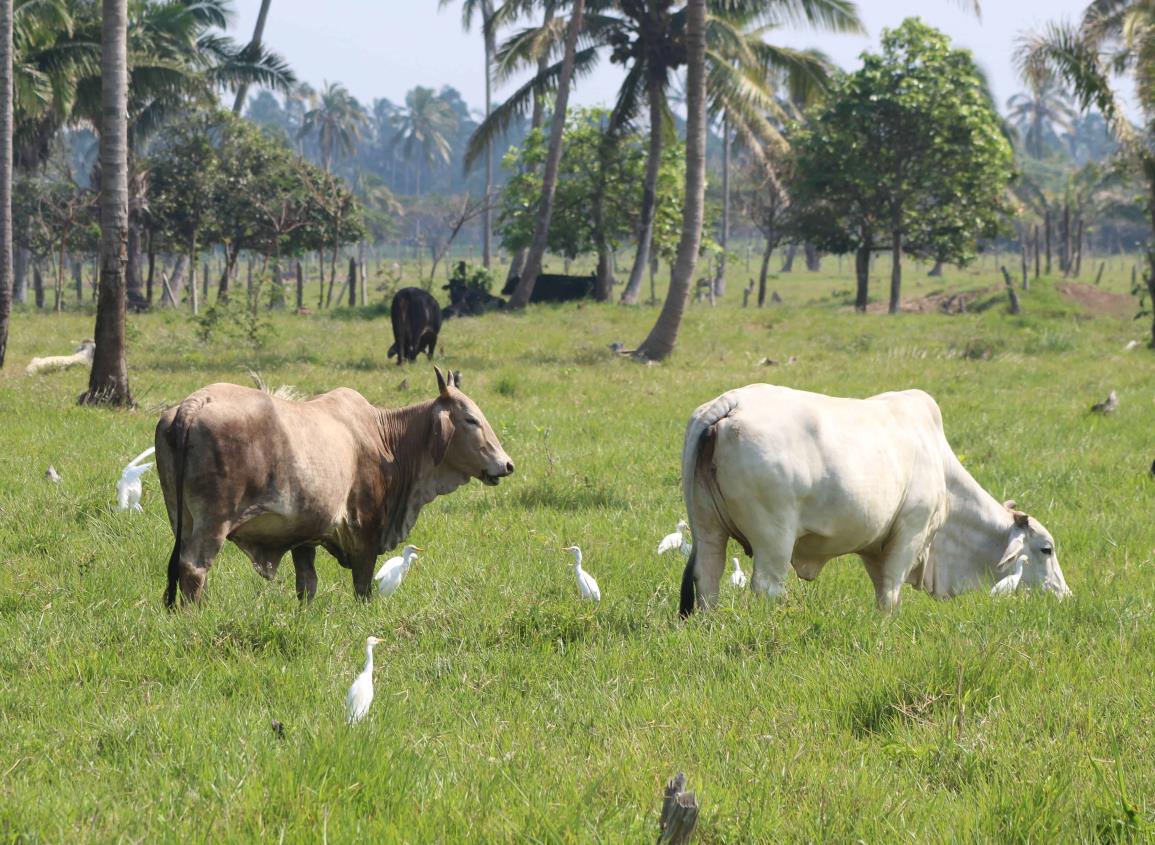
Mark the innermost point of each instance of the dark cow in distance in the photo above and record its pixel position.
(275, 476)
(555, 287)
(467, 301)
(416, 320)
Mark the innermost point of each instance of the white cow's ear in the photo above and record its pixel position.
(1009, 504)
(1021, 519)
(1014, 547)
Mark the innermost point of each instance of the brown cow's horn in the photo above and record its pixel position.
(441, 382)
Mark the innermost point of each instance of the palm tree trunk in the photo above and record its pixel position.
(649, 198)
(258, 33)
(108, 380)
(1047, 237)
(524, 289)
(486, 224)
(664, 334)
(720, 281)
(5, 173)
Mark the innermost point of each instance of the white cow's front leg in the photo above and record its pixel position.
(899, 557)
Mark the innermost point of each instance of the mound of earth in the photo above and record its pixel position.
(946, 302)
(1098, 301)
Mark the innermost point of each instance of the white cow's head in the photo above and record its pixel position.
(1029, 559)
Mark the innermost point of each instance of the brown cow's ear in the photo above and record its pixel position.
(1021, 519)
(442, 389)
(441, 435)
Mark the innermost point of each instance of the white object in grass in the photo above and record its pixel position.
(586, 583)
(393, 571)
(129, 488)
(1007, 585)
(737, 577)
(676, 540)
(361, 693)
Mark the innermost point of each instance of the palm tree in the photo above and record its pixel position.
(337, 120)
(485, 9)
(5, 173)
(647, 39)
(253, 46)
(424, 126)
(660, 341)
(108, 380)
(1114, 38)
(533, 258)
(1042, 110)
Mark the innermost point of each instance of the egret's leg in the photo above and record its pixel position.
(304, 558)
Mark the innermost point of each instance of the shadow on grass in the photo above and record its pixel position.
(581, 494)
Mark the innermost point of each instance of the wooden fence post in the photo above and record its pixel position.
(1015, 309)
(679, 813)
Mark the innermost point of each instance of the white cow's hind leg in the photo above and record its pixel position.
(772, 552)
(709, 556)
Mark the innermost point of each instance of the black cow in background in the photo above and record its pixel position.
(555, 287)
(467, 301)
(416, 320)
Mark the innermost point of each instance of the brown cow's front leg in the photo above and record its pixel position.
(304, 558)
(363, 576)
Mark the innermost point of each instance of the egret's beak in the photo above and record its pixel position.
(418, 549)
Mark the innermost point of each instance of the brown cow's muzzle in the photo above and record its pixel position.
(503, 468)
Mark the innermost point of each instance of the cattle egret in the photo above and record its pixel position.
(361, 693)
(392, 572)
(1131, 344)
(675, 540)
(52, 475)
(129, 487)
(1107, 406)
(586, 583)
(1006, 586)
(738, 577)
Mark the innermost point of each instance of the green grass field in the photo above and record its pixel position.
(507, 710)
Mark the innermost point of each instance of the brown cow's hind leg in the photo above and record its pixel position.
(195, 560)
(363, 576)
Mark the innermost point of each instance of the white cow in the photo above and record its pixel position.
(800, 478)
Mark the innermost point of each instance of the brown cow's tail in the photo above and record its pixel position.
(698, 466)
(177, 436)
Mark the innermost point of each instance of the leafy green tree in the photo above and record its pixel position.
(906, 154)
(1116, 38)
(594, 212)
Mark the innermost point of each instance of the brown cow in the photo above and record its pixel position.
(274, 476)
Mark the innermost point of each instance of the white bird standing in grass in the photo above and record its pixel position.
(393, 571)
(676, 540)
(737, 577)
(361, 693)
(586, 583)
(129, 487)
(1008, 585)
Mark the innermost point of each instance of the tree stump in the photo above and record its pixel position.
(679, 813)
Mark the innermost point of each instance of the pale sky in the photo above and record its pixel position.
(383, 48)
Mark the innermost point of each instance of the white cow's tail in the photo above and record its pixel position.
(698, 465)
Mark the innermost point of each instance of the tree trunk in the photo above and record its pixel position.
(108, 380)
(490, 51)
(1036, 250)
(788, 263)
(1065, 253)
(895, 268)
(205, 281)
(862, 275)
(516, 263)
(78, 280)
(150, 278)
(254, 45)
(660, 342)
(176, 281)
(300, 286)
(192, 276)
(1047, 237)
(133, 278)
(352, 282)
(232, 252)
(720, 281)
(6, 269)
(936, 270)
(649, 198)
(20, 270)
(37, 284)
(764, 272)
(524, 288)
(1077, 247)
